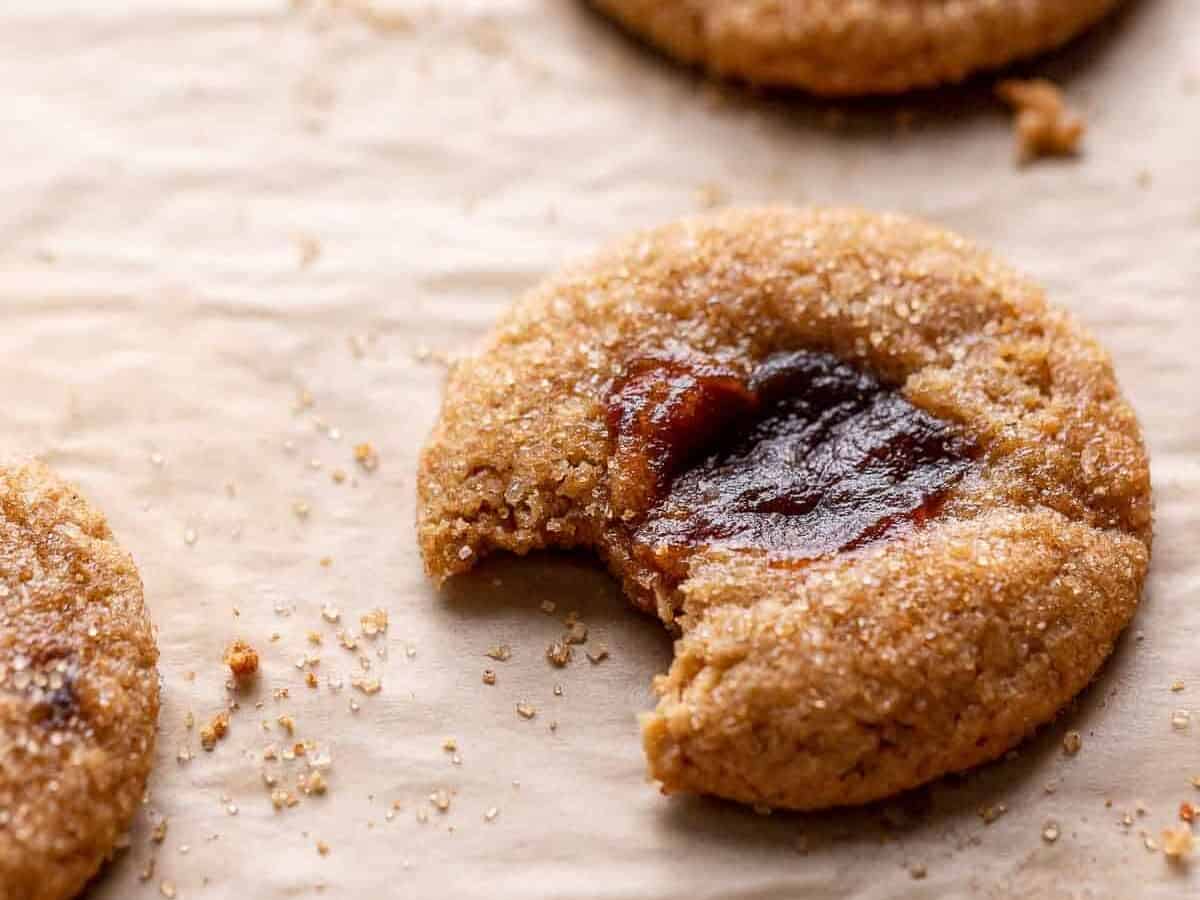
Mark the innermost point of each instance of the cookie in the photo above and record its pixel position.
(838, 48)
(78, 687)
(893, 503)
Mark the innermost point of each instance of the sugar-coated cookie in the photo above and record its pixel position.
(78, 687)
(893, 502)
(847, 47)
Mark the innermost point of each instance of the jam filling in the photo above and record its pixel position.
(806, 457)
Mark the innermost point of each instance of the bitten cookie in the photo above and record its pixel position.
(840, 48)
(78, 687)
(893, 502)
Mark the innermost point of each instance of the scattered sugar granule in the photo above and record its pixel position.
(315, 783)
(167, 889)
(287, 723)
(1180, 719)
(158, 833)
(440, 799)
(1177, 686)
(1044, 125)
(491, 814)
(525, 710)
(500, 653)
(577, 633)
(598, 655)
(322, 848)
(365, 456)
(330, 613)
(282, 799)
(1050, 831)
(242, 660)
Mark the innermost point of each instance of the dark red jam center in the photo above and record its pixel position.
(806, 457)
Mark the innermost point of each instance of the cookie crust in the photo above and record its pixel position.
(839, 48)
(78, 687)
(865, 672)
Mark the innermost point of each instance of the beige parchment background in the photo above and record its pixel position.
(209, 206)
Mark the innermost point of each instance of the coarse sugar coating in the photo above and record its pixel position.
(848, 47)
(78, 687)
(992, 491)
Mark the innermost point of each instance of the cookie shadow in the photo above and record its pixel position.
(949, 812)
(525, 601)
(574, 581)
(869, 118)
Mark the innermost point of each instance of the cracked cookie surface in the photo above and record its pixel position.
(955, 530)
(840, 48)
(78, 687)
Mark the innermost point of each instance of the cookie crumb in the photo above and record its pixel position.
(559, 653)
(918, 871)
(242, 660)
(1178, 843)
(214, 731)
(500, 653)
(158, 833)
(489, 676)
(1044, 124)
(526, 710)
(374, 622)
(322, 848)
(990, 814)
(367, 685)
(1177, 686)
(1181, 719)
(1050, 831)
(167, 889)
(599, 655)
(1187, 812)
(1072, 743)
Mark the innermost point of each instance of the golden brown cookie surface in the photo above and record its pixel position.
(894, 502)
(78, 687)
(836, 47)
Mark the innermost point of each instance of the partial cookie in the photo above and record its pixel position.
(895, 503)
(78, 687)
(835, 47)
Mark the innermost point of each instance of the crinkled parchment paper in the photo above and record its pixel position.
(213, 206)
